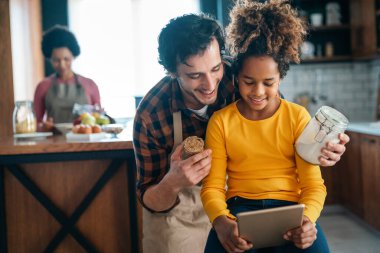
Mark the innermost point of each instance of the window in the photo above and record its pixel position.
(118, 40)
(26, 47)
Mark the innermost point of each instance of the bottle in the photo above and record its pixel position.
(322, 128)
(24, 118)
(329, 49)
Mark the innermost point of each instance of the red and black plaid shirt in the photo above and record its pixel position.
(153, 131)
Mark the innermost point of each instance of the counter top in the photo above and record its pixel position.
(59, 144)
(372, 128)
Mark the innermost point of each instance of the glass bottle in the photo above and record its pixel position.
(24, 118)
(325, 126)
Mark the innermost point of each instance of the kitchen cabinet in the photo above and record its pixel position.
(357, 37)
(377, 24)
(363, 26)
(350, 176)
(331, 40)
(344, 180)
(353, 181)
(330, 175)
(370, 162)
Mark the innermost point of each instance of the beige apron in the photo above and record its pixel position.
(60, 100)
(186, 227)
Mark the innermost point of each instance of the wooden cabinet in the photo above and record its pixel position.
(363, 26)
(344, 180)
(354, 181)
(350, 176)
(329, 175)
(370, 161)
(332, 41)
(356, 38)
(377, 25)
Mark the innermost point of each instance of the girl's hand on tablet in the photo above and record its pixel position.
(303, 236)
(228, 235)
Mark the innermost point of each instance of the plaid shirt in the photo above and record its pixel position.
(153, 131)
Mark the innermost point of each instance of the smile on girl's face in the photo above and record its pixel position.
(259, 81)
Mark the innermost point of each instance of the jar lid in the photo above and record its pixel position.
(335, 118)
(23, 102)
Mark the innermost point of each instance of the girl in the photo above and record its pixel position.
(252, 140)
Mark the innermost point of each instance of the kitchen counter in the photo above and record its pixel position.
(68, 196)
(372, 128)
(54, 144)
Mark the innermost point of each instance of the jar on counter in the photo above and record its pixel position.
(24, 118)
(325, 126)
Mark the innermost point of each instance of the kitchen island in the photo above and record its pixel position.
(60, 196)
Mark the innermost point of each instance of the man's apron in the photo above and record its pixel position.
(60, 100)
(186, 227)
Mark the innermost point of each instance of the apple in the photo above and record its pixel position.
(102, 120)
(77, 121)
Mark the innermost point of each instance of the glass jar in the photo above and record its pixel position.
(24, 118)
(325, 126)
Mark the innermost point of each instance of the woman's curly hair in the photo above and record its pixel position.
(56, 37)
(272, 28)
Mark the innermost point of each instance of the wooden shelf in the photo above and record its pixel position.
(336, 58)
(330, 27)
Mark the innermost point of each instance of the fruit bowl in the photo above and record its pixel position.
(63, 128)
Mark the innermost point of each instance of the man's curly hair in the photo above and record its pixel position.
(272, 28)
(56, 37)
(186, 36)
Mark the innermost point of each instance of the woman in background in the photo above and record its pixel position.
(56, 95)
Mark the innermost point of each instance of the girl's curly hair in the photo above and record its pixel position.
(272, 28)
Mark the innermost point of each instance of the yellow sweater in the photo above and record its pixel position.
(260, 161)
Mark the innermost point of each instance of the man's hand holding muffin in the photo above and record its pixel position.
(189, 163)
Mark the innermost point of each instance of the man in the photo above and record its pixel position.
(198, 83)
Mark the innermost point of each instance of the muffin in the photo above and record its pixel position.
(191, 146)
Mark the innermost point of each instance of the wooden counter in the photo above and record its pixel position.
(59, 196)
(54, 144)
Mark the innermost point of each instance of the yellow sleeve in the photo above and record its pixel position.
(213, 193)
(313, 190)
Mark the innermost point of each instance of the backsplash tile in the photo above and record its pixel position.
(349, 87)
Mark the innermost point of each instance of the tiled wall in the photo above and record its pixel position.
(349, 87)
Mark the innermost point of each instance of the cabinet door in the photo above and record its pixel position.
(370, 149)
(363, 25)
(350, 174)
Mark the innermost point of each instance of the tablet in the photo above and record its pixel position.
(265, 228)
